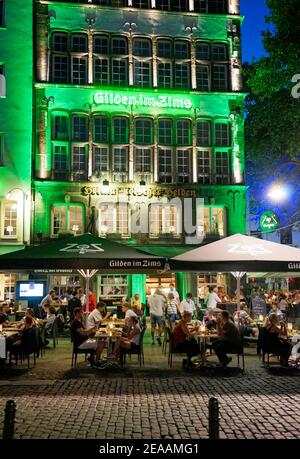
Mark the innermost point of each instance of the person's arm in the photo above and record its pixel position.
(87, 331)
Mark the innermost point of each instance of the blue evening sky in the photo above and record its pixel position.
(254, 22)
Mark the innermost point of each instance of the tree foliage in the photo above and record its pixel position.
(273, 115)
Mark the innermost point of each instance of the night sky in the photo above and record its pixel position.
(254, 12)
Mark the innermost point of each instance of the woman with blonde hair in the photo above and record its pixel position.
(275, 338)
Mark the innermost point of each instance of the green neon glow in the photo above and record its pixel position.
(269, 221)
(142, 100)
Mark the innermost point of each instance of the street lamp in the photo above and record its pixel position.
(9, 195)
(277, 193)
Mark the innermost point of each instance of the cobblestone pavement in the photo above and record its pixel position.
(152, 403)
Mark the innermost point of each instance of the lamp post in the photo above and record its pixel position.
(24, 193)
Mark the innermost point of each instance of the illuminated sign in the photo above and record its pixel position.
(142, 100)
(138, 191)
(269, 221)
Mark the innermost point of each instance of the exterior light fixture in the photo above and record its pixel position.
(277, 193)
(105, 182)
(142, 183)
(90, 18)
(75, 228)
(9, 229)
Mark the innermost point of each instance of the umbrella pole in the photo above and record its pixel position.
(87, 288)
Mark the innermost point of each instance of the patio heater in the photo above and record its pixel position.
(87, 274)
(238, 275)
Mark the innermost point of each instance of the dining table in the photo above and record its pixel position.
(110, 334)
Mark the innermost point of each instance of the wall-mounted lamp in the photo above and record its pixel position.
(191, 29)
(48, 100)
(90, 18)
(142, 183)
(105, 182)
(129, 27)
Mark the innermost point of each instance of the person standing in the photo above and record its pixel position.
(171, 310)
(175, 293)
(156, 305)
(212, 299)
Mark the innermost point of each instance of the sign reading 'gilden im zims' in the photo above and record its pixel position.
(142, 100)
(135, 264)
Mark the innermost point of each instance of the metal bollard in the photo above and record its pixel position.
(9, 420)
(213, 419)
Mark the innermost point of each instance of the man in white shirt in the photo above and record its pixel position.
(188, 305)
(156, 304)
(98, 314)
(128, 312)
(212, 299)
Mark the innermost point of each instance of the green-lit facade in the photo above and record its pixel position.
(137, 121)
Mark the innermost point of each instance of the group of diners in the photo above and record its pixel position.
(83, 335)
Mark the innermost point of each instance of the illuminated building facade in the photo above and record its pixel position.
(138, 123)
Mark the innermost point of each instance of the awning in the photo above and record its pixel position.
(82, 252)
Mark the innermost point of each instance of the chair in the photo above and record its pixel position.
(165, 337)
(76, 350)
(139, 351)
(32, 345)
(171, 347)
(54, 332)
(239, 352)
(263, 347)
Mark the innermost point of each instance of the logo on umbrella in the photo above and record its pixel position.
(81, 249)
(254, 249)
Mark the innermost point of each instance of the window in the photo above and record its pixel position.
(119, 72)
(2, 20)
(204, 166)
(80, 129)
(101, 71)
(114, 218)
(79, 43)
(120, 156)
(79, 163)
(180, 5)
(60, 162)
(60, 69)
(183, 166)
(211, 220)
(100, 160)
(143, 131)
(164, 5)
(59, 129)
(183, 132)
(220, 80)
(181, 49)
(222, 134)
(143, 65)
(78, 70)
(141, 3)
(120, 130)
(203, 133)
(101, 129)
(101, 44)
(211, 6)
(164, 64)
(163, 219)
(219, 52)
(202, 51)
(143, 159)
(165, 134)
(66, 218)
(10, 219)
(202, 77)
(119, 46)
(182, 69)
(60, 41)
(222, 167)
(165, 165)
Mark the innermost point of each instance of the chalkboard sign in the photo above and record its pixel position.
(258, 306)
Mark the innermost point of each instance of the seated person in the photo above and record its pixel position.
(3, 315)
(97, 315)
(229, 339)
(126, 308)
(183, 339)
(242, 318)
(276, 310)
(209, 319)
(51, 316)
(274, 331)
(25, 341)
(81, 337)
(188, 305)
(35, 322)
(132, 340)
